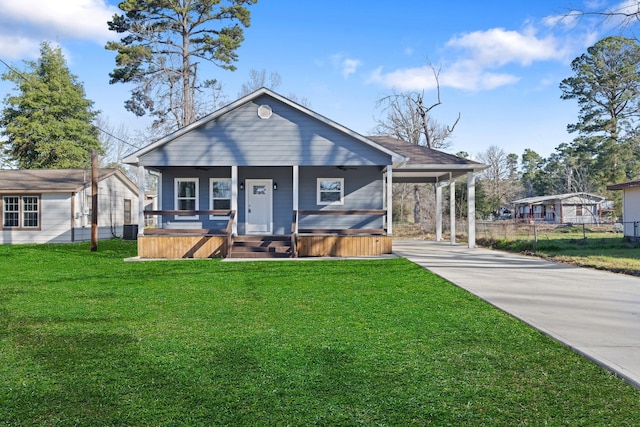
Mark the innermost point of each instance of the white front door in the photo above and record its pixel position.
(259, 206)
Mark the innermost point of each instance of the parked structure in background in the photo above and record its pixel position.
(630, 208)
(569, 208)
(54, 205)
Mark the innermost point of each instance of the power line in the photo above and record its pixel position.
(25, 78)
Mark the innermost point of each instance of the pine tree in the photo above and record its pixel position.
(47, 121)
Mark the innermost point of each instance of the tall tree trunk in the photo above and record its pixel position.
(417, 217)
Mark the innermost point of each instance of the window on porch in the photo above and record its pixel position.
(330, 191)
(186, 196)
(220, 194)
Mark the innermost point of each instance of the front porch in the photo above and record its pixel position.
(175, 243)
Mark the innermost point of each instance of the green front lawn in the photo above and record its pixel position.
(87, 339)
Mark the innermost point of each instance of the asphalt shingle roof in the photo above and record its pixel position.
(48, 180)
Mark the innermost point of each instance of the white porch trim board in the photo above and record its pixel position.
(438, 212)
(389, 200)
(471, 209)
(452, 209)
(141, 200)
(234, 198)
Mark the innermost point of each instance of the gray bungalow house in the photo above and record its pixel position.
(265, 176)
(55, 205)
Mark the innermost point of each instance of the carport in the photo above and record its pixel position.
(429, 166)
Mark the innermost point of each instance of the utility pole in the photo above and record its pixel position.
(94, 200)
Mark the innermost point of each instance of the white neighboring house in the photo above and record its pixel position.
(576, 208)
(630, 207)
(54, 205)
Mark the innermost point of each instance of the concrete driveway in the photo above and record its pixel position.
(595, 313)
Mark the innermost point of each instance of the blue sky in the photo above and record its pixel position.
(501, 62)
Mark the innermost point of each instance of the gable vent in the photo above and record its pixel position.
(264, 111)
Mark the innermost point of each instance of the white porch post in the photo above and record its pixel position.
(140, 200)
(438, 212)
(234, 198)
(471, 208)
(452, 209)
(389, 200)
(296, 189)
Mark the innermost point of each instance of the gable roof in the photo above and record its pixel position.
(54, 180)
(133, 158)
(557, 197)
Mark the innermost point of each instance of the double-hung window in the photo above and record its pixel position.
(330, 191)
(186, 196)
(21, 212)
(220, 194)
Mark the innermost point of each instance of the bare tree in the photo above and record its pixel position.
(258, 79)
(409, 118)
(500, 182)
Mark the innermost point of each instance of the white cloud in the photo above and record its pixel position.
(349, 66)
(477, 58)
(346, 66)
(463, 75)
(497, 47)
(25, 23)
(14, 47)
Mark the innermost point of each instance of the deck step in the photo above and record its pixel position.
(261, 247)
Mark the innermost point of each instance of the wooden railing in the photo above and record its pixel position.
(194, 231)
(341, 231)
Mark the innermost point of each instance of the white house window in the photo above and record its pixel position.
(127, 211)
(186, 196)
(220, 194)
(21, 211)
(30, 212)
(330, 191)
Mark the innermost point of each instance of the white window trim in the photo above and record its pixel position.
(177, 182)
(211, 181)
(21, 212)
(24, 212)
(339, 202)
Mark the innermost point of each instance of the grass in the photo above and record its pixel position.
(588, 247)
(87, 339)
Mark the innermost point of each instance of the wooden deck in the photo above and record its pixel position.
(343, 246)
(219, 243)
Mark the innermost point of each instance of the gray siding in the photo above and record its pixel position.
(363, 190)
(288, 138)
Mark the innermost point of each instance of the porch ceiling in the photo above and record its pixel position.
(425, 176)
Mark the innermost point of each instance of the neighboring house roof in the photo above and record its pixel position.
(133, 158)
(624, 185)
(54, 180)
(538, 200)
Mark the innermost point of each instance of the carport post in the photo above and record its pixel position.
(438, 212)
(140, 199)
(452, 208)
(389, 200)
(471, 209)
